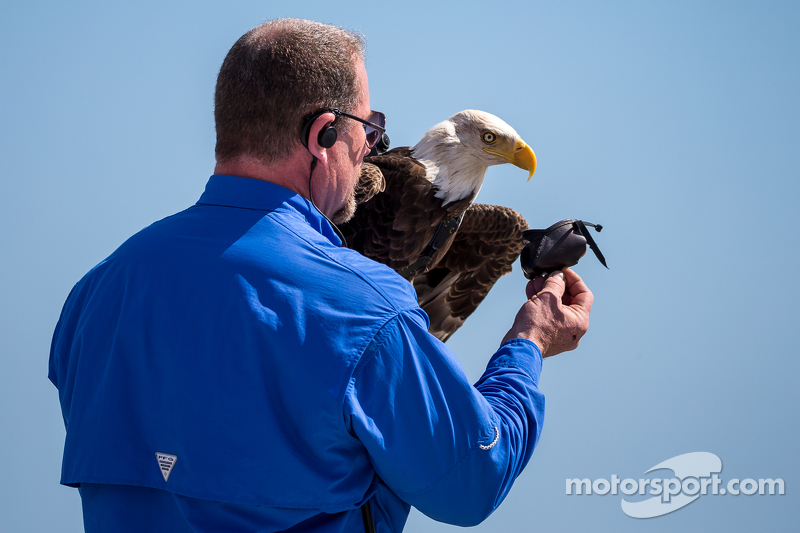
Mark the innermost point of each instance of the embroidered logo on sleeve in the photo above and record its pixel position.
(496, 438)
(165, 463)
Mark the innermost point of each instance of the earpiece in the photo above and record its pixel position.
(327, 135)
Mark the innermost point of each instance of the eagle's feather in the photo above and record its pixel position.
(483, 250)
(395, 226)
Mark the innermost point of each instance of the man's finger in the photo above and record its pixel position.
(531, 288)
(555, 283)
(581, 295)
(534, 286)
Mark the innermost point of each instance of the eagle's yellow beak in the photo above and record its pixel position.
(522, 157)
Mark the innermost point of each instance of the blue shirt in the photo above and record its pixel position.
(282, 374)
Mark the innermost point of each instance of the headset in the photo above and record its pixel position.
(326, 138)
(327, 135)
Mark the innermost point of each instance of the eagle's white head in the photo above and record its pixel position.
(458, 151)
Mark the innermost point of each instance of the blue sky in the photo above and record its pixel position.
(674, 124)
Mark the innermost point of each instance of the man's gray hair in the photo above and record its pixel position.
(275, 77)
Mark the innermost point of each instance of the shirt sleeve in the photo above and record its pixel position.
(450, 449)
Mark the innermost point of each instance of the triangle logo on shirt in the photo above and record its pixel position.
(165, 463)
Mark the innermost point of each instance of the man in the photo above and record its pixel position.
(232, 368)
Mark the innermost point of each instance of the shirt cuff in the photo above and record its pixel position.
(519, 353)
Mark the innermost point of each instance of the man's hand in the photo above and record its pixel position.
(556, 314)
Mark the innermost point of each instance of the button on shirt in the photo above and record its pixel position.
(235, 354)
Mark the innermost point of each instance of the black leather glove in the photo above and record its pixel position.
(561, 245)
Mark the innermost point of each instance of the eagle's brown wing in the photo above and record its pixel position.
(485, 248)
(370, 182)
(394, 226)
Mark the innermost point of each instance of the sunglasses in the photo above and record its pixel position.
(374, 126)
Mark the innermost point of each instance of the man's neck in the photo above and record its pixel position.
(291, 173)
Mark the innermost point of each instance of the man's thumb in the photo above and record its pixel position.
(555, 283)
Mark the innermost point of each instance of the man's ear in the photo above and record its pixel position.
(322, 136)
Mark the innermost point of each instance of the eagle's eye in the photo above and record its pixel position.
(489, 137)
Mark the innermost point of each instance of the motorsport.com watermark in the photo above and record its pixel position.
(695, 475)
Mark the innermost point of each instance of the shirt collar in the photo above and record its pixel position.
(249, 193)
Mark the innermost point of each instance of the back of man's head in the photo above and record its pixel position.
(277, 75)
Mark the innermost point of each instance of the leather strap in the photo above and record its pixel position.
(445, 230)
(366, 514)
(590, 241)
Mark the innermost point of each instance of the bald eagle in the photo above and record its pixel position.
(415, 214)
